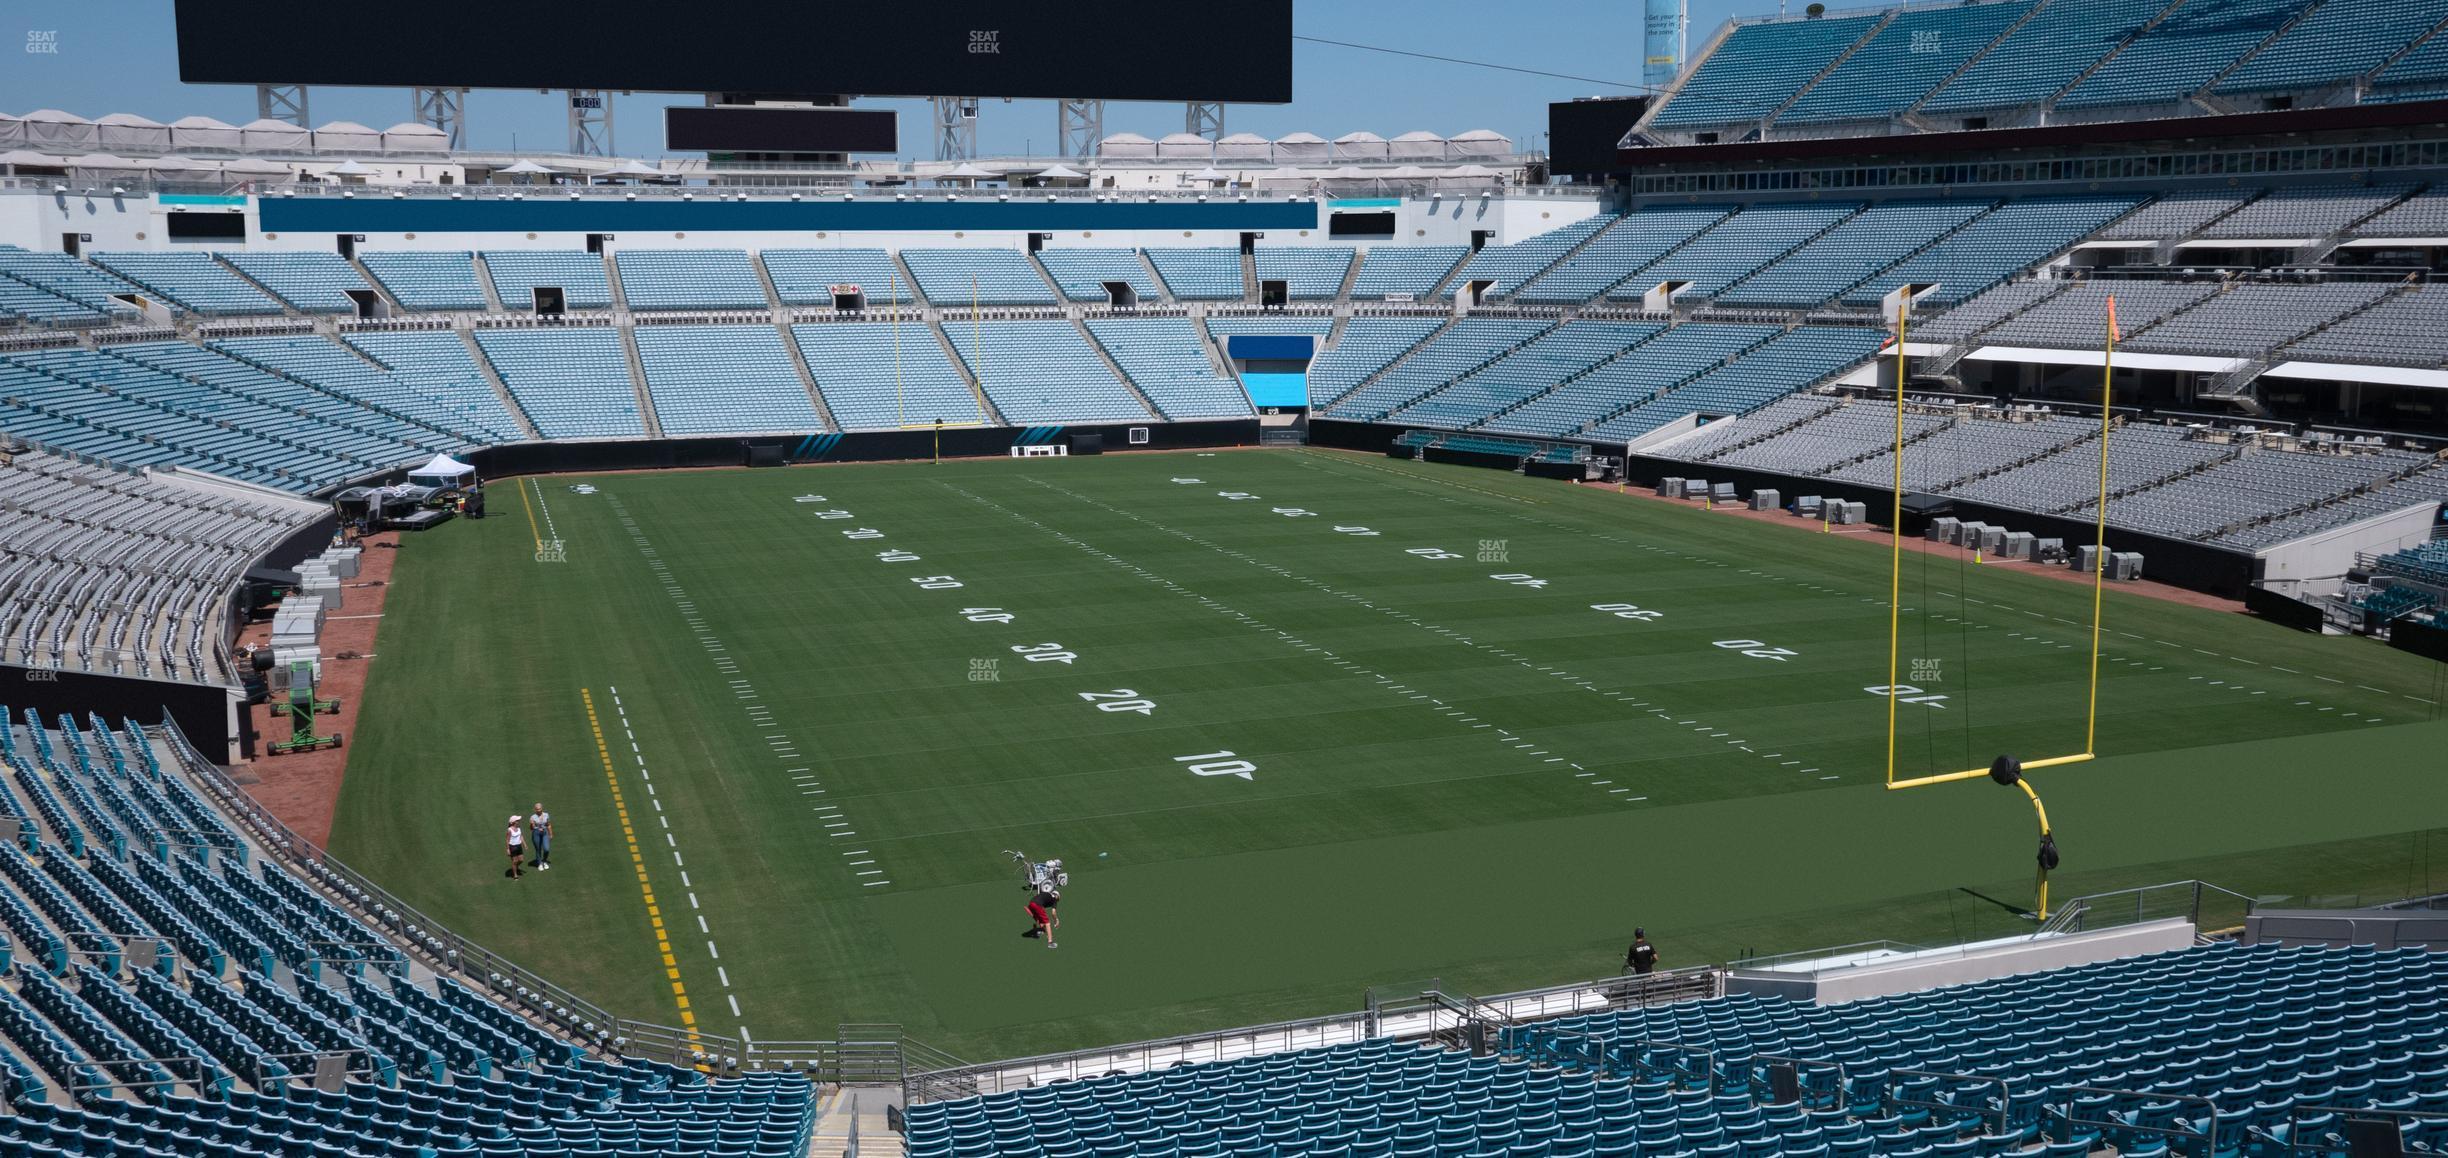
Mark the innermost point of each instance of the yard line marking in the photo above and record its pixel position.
(637, 859)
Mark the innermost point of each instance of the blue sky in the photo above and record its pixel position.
(120, 56)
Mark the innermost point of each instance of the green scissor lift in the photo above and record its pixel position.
(301, 707)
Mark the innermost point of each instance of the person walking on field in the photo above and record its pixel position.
(517, 837)
(539, 834)
(1642, 956)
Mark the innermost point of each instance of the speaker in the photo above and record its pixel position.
(765, 454)
(1087, 444)
(1784, 1083)
(2374, 1138)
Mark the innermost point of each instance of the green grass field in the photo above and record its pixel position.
(1456, 767)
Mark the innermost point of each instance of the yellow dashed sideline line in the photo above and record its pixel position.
(537, 533)
(654, 912)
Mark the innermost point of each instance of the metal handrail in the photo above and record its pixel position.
(2005, 1095)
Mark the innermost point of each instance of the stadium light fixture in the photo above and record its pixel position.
(396, 195)
(349, 193)
(630, 196)
(455, 195)
(59, 188)
(687, 196)
(573, 195)
(118, 191)
(794, 197)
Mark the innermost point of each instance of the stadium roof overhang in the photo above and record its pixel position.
(2192, 132)
(2126, 359)
(2378, 375)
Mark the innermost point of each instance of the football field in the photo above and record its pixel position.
(1300, 722)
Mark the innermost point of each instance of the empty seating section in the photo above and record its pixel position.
(2303, 213)
(689, 279)
(108, 571)
(171, 404)
(1203, 274)
(1833, 438)
(1040, 372)
(579, 274)
(1416, 271)
(314, 280)
(1757, 66)
(2078, 318)
(2253, 484)
(22, 302)
(1506, 267)
(1851, 253)
(1170, 364)
(2175, 215)
(1632, 242)
(1661, 363)
(1684, 1077)
(1965, 447)
(1735, 249)
(1725, 434)
(1915, 51)
(1555, 357)
(438, 364)
(2031, 63)
(1993, 306)
(2182, 52)
(77, 281)
(806, 277)
(1082, 273)
(1308, 274)
(2429, 486)
(190, 278)
(954, 278)
(573, 383)
(1993, 247)
(724, 380)
(2423, 67)
(472, 415)
(1464, 347)
(1777, 367)
(869, 384)
(260, 973)
(2337, 43)
(1366, 347)
(420, 280)
(2138, 454)
(2424, 215)
(2407, 329)
(2252, 319)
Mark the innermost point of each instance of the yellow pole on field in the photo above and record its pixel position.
(1895, 527)
(2100, 530)
(2042, 908)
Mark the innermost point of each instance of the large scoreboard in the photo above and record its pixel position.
(1216, 50)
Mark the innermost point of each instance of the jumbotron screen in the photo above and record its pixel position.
(1219, 50)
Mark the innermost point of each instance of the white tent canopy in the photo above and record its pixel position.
(352, 168)
(1184, 146)
(523, 166)
(53, 129)
(442, 471)
(183, 168)
(189, 133)
(1126, 146)
(1300, 147)
(346, 136)
(12, 131)
(1479, 143)
(21, 157)
(1210, 173)
(133, 133)
(968, 172)
(254, 165)
(270, 136)
(411, 137)
(1361, 146)
(1061, 173)
(632, 169)
(1243, 147)
(1416, 146)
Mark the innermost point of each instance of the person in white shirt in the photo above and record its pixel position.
(539, 834)
(518, 846)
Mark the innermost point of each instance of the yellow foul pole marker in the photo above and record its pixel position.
(1895, 528)
(2099, 560)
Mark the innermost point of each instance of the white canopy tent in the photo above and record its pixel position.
(1184, 147)
(132, 133)
(1126, 147)
(12, 131)
(204, 133)
(1416, 146)
(1243, 147)
(632, 169)
(184, 168)
(22, 158)
(442, 471)
(1061, 173)
(254, 167)
(1301, 147)
(107, 164)
(61, 131)
(347, 137)
(1360, 146)
(351, 168)
(1478, 143)
(411, 137)
(271, 136)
